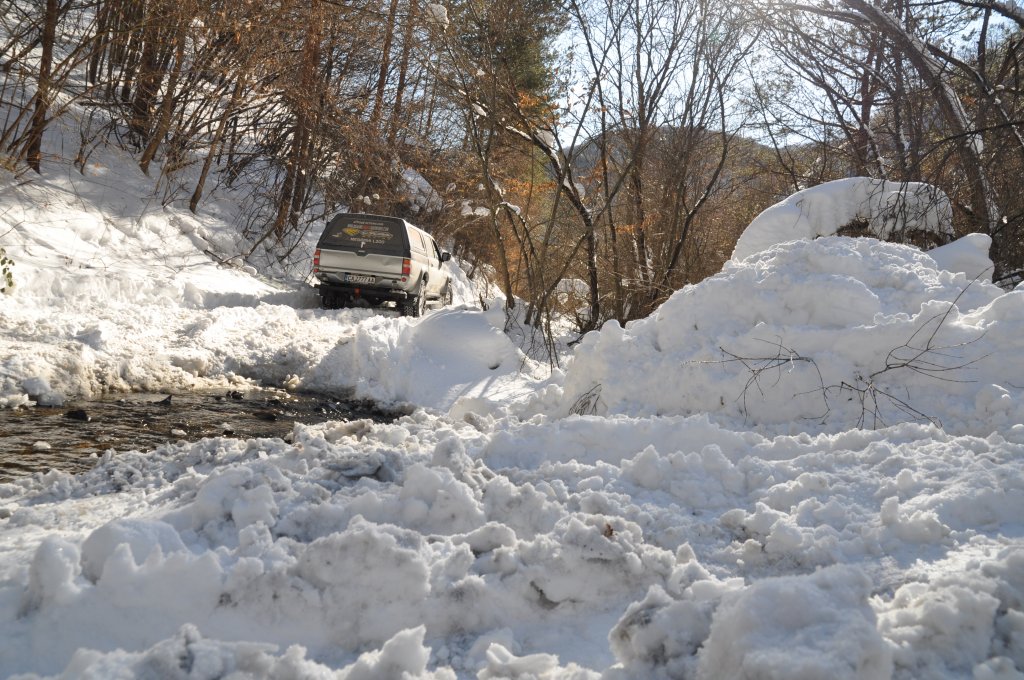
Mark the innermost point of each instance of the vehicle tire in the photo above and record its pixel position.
(421, 299)
(416, 304)
(446, 296)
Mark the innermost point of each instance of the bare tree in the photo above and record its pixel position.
(33, 146)
(626, 158)
(897, 76)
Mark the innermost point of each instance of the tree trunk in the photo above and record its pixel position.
(306, 101)
(34, 145)
(96, 59)
(403, 69)
(215, 145)
(385, 63)
(150, 75)
(167, 105)
(983, 204)
(595, 298)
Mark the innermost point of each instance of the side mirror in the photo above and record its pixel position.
(445, 256)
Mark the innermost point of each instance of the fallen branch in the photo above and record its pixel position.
(758, 366)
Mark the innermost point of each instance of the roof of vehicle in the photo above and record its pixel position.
(381, 217)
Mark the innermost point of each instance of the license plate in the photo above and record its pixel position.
(355, 278)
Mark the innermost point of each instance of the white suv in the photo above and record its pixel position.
(370, 259)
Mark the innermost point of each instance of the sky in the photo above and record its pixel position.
(808, 465)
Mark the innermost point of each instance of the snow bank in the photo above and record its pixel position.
(90, 241)
(673, 548)
(819, 336)
(450, 353)
(886, 209)
(122, 347)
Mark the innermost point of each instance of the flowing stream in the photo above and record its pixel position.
(70, 437)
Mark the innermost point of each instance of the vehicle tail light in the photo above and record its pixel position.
(316, 260)
(406, 268)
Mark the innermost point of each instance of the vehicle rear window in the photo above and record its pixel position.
(372, 233)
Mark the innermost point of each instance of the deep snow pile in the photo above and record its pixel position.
(819, 335)
(629, 547)
(704, 525)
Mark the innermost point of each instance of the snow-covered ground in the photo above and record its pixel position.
(808, 466)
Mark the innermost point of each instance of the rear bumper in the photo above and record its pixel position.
(345, 292)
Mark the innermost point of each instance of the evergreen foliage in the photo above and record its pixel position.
(6, 276)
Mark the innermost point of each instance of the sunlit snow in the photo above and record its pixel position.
(884, 208)
(810, 465)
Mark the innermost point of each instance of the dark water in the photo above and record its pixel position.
(37, 439)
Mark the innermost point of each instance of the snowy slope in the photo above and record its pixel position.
(650, 513)
(115, 292)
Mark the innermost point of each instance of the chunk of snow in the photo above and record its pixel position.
(418, 192)
(546, 138)
(886, 208)
(825, 619)
(141, 536)
(967, 255)
(436, 14)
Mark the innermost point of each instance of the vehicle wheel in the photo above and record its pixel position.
(421, 299)
(416, 304)
(446, 296)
